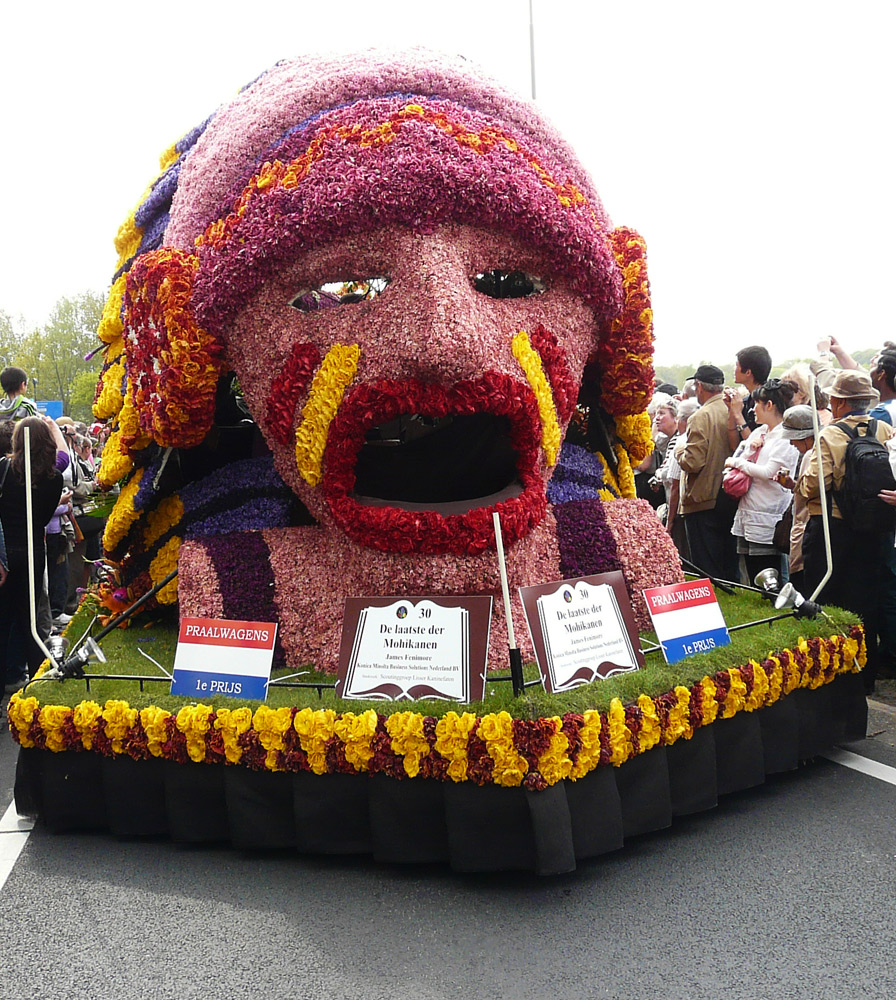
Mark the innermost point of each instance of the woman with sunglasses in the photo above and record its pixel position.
(764, 454)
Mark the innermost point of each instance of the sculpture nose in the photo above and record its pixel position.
(432, 324)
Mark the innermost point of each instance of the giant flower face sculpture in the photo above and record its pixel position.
(408, 272)
(437, 376)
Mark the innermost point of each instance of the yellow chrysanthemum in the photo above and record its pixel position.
(232, 723)
(620, 735)
(589, 753)
(405, 730)
(314, 729)
(85, 717)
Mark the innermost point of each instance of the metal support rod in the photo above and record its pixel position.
(822, 491)
(29, 515)
(134, 607)
(762, 621)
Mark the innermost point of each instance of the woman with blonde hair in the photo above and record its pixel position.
(798, 375)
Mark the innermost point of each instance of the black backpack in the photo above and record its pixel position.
(866, 472)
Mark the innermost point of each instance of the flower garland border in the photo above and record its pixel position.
(492, 749)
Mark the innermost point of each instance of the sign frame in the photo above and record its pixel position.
(478, 608)
(606, 668)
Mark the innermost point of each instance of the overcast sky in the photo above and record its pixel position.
(750, 144)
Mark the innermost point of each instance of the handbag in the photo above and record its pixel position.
(781, 537)
(736, 482)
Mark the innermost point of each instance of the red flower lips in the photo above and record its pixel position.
(418, 467)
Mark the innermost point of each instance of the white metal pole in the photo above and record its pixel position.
(822, 490)
(29, 509)
(532, 48)
(502, 568)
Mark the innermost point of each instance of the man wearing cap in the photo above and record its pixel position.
(708, 512)
(857, 556)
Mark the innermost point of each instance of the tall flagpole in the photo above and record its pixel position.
(532, 48)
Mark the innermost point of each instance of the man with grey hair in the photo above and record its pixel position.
(708, 511)
(857, 555)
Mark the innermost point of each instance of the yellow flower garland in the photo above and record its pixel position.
(660, 721)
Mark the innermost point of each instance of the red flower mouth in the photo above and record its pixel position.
(416, 467)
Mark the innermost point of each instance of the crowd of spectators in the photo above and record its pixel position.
(66, 539)
(764, 430)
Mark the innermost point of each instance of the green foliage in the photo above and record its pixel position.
(83, 389)
(53, 355)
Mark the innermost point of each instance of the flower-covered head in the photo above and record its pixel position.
(408, 270)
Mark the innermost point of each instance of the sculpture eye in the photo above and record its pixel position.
(339, 293)
(508, 284)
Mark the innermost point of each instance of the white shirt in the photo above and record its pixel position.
(762, 506)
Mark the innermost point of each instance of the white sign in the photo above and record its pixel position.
(583, 630)
(409, 649)
(215, 656)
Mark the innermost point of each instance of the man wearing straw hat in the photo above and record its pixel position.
(857, 555)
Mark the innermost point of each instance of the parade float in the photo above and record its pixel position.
(368, 304)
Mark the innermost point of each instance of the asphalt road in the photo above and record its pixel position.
(787, 890)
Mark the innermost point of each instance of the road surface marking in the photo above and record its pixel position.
(14, 832)
(863, 764)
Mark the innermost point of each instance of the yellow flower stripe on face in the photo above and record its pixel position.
(114, 463)
(109, 400)
(329, 385)
(530, 361)
(164, 562)
(625, 475)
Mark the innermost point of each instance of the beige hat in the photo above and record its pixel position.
(850, 384)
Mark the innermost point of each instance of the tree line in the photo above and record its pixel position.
(52, 355)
